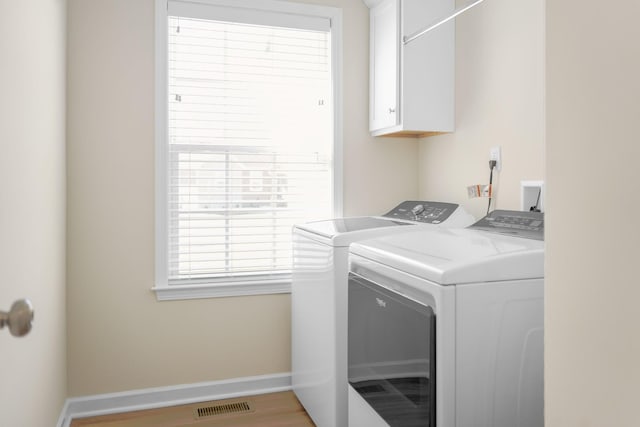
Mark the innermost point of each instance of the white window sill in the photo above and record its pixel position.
(219, 290)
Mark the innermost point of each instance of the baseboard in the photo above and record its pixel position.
(134, 400)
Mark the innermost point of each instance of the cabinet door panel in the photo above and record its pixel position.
(384, 65)
(428, 67)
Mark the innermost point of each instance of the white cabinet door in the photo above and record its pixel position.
(384, 62)
(427, 70)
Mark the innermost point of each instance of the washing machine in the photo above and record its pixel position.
(445, 326)
(319, 298)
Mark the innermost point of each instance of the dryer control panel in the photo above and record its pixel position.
(422, 211)
(529, 225)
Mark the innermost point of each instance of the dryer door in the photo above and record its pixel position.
(392, 352)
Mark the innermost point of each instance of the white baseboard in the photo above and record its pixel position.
(134, 400)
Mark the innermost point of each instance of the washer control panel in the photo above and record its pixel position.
(422, 211)
(529, 225)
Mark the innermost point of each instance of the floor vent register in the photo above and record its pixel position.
(223, 409)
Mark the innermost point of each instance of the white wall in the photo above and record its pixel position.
(592, 321)
(32, 208)
(119, 336)
(499, 102)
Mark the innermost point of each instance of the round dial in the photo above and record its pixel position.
(417, 210)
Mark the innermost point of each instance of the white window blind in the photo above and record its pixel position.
(249, 150)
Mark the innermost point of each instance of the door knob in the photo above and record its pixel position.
(19, 318)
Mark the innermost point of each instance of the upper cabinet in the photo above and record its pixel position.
(411, 86)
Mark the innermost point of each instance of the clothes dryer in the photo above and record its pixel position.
(319, 298)
(445, 326)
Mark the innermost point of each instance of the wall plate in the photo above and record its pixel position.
(531, 193)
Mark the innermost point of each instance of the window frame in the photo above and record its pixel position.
(162, 288)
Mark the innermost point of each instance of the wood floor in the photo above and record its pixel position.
(267, 410)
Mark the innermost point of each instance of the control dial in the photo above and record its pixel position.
(417, 210)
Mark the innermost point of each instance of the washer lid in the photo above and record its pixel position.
(348, 230)
(454, 256)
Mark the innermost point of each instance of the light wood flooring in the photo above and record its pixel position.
(267, 410)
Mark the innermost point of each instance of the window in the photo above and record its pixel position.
(247, 134)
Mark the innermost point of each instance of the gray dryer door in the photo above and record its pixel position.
(392, 351)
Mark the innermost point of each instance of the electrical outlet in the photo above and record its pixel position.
(495, 153)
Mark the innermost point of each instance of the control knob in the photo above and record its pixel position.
(417, 210)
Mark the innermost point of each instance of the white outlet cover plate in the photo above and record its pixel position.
(495, 153)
